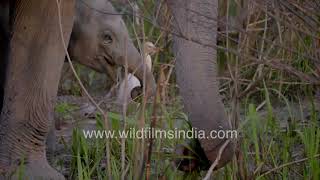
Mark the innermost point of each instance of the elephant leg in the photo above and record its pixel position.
(35, 61)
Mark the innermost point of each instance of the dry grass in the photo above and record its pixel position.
(268, 57)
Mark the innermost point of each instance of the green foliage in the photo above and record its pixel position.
(64, 109)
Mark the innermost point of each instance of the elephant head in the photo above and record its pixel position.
(195, 26)
(100, 40)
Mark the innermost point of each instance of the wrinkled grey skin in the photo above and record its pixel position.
(101, 41)
(196, 70)
(33, 71)
(36, 56)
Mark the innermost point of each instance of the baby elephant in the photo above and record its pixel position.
(100, 40)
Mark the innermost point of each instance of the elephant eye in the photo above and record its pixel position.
(107, 39)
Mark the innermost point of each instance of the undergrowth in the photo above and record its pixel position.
(268, 82)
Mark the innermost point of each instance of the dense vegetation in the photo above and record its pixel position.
(269, 71)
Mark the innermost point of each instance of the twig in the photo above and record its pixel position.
(124, 114)
(287, 164)
(216, 161)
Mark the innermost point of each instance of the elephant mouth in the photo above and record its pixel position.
(109, 60)
(109, 67)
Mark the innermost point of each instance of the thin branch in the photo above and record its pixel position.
(288, 164)
(216, 161)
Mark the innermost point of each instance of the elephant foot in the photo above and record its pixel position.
(40, 169)
(33, 170)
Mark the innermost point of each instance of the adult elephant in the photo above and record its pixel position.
(98, 40)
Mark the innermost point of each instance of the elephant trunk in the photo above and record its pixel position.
(139, 68)
(195, 21)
